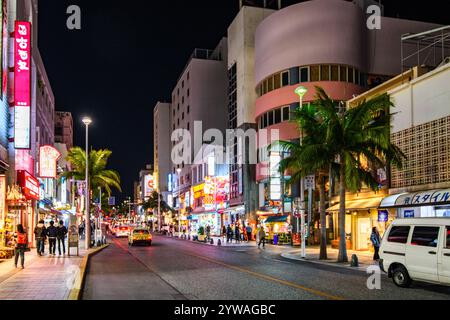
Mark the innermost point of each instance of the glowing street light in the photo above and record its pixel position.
(87, 121)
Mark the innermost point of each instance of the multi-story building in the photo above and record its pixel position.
(420, 128)
(322, 43)
(27, 92)
(199, 103)
(241, 109)
(64, 128)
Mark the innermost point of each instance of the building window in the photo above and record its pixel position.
(188, 127)
(271, 118)
(188, 109)
(343, 73)
(334, 73)
(270, 84)
(325, 73)
(285, 79)
(286, 113)
(188, 92)
(277, 81)
(182, 116)
(304, 74)
(277, 116)
(315, 73)
(351, 76)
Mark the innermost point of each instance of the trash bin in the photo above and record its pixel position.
(275, 239)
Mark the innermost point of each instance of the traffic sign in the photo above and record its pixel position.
(310, 182)
(112, 201)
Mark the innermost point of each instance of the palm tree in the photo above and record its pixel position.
(310, 156)
(152, 203)
(357, 134)
(340, 141)
(99, 175)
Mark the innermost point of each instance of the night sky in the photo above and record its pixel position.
(129, 54)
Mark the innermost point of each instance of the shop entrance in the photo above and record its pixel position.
(364, 232)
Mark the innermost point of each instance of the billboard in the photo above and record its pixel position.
(48, 161)
(22, 77)
(148, 185)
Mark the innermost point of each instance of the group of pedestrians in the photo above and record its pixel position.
(237, 232)
(54, 235)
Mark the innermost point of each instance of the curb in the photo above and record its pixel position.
(75, 292)
(332, 264)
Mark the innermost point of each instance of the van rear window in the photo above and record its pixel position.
(399, 234)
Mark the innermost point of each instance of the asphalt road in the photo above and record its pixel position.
(179, 269)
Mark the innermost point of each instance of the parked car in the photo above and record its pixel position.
(417, 250)
(140, 236)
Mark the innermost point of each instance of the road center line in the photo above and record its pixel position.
(269, 278)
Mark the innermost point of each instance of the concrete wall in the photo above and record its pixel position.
(424, 99)
(241, 50)
(161, 143)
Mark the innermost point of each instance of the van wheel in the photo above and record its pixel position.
(401, 277)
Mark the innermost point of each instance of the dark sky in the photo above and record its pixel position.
(129, 54)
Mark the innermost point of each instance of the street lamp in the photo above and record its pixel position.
(301, 91)
(87, 121)
(179, 194)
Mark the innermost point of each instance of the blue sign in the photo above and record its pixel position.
(112, 201)
(383, 215)
(169, 182)
(409, 214)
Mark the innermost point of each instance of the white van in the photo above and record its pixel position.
(417, 249)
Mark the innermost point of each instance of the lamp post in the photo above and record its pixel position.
(301, 91)
(179, 194)
(87, 121)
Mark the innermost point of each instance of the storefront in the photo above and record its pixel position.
(211, 219)
(233, 215)
(424, 204)
(362, 214)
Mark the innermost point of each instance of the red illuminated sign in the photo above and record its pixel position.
(48, 160)
(29, 185)
(22, 77)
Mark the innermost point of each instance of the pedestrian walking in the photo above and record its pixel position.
(224, 231)
(40, 234)
(208, 232)
(376, 242)
(21, 241)
(237, 234)
(249, 233)
(61, 237)
(229, 234)
(81, 229)
(262, 237)
(52, 234)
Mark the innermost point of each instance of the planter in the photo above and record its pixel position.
(202, 238)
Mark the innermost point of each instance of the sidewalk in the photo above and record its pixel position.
(44, 278)
(365, 258)
(223, 242)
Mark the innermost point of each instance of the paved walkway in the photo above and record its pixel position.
(44, 278)
(223, 242)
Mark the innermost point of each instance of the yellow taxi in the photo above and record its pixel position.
(140, 236)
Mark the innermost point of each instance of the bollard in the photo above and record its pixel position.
(354, 262)
(212, 241)
(219, 243)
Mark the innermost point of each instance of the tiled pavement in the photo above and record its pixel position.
(44, 278)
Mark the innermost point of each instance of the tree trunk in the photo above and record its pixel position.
(323, 220)
(342, 257)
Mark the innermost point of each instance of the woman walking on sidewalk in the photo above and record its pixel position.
(21, 245)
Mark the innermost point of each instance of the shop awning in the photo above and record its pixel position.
(273, 219)
(360, 204)
(417, 199)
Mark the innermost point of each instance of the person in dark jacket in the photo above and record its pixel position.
(40, 232)
(229, 234)
(61, 236)
(52, 234)
(237, 233)
(376, 241)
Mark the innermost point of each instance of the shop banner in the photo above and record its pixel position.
(22, 77)
(383, 215)
(29, 185)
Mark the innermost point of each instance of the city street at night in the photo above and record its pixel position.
(182, 270)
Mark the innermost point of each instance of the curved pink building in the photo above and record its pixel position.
(322, 43)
